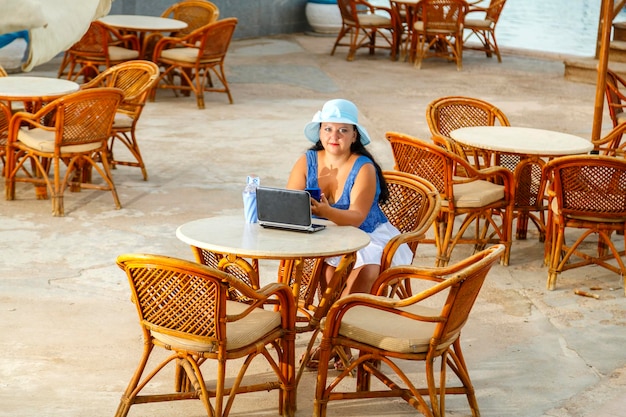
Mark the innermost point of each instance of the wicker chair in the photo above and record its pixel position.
(363, 23)
(479, 198)
(439, 31)
(416, 328)
(184, 308)
(586, 192)
(135, 78)
(484, 28)
(77, 137)
(196, 13)
(3, 72)
(194, 57)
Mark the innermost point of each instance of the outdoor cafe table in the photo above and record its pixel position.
(34, 91)
(141, 25)
(532, 146)
(233, 237)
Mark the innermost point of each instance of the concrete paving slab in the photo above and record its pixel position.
(70, 335)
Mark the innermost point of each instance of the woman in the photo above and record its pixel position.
(352, 185)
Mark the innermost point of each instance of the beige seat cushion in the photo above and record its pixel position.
(476, 194)
(238, 334)
(477, 23)
(122, 121)
(390, 331)
(374, 20)
(181, 54)
(117, 53)
(43, 141)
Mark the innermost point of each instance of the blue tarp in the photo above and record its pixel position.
(7, 38)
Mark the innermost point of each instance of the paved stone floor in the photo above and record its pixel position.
(70, 335)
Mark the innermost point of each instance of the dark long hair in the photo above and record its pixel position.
(359, 149)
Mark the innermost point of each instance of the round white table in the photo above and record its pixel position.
(34, 89)
(522, 140)
(141, 25)
(232, 235)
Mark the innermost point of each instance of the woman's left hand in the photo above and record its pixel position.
(319, 207)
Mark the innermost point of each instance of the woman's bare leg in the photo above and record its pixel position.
(361, 279)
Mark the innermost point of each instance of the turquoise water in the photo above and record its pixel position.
(554, 26)
(557, 26)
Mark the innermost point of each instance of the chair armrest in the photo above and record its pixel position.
(117, 38)
(267, 295)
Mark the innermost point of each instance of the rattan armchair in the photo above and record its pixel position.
(75, 137)
(135, 78)
(483, 198)
(102, 46)
(439, 31)
(184, 308)
(196, 13)
(363, 24)
(194, 57)
(415, 329)
(587, 193)
(481, 23)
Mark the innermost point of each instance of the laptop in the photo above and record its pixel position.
(280, 208)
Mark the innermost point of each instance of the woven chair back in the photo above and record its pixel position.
(466, 285)
(589, 186)
(412, 203)
(94, 42)
(421, 159)
(442, 15)
(195, 13)
(174, 298)
(215, 39)
(85, 116)
(134, 78)
(494, 10)
(446, 114)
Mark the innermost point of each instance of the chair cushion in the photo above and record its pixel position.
(374, 20)
(117, 53)
(122, 121)
(477, 23)
(43, 141)
(477, 194)
(240, 333)
(391, 332)
(419, 27)
(181, 54)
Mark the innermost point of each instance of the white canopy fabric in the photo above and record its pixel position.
(53, 25)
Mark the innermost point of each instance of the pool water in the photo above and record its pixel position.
(554, 26)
